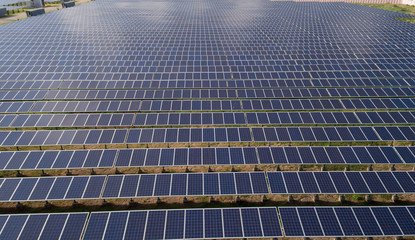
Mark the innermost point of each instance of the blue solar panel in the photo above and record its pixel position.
(251, 222)
(189, 223)
(132, 106)
(212, 94)
(33, 226)
(174, 225)
(232, 223)
(155, 219)
(291, 222)
(367, 222)
(131, 84)
(329, 222)
(13, 226)
(310, 222)
(208, 184)
(345, 221)
(74, 226)
(54, 225)
(194, 224)
(179, 185)
(43, 226)
(96, 226)
(119, 136)
(136, 225)
(293, 183)
(214, 78)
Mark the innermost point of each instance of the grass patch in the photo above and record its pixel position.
(52, 4)
(402, 8)
(357, 197)
(411, 20)
(15, 11)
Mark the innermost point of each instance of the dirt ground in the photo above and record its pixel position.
(202, 202)
(204, 168)
(221, 144)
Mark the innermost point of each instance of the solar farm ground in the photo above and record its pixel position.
(191, 119)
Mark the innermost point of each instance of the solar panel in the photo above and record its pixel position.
(211, 93)
(251, 73)
(187, 223)
(205, 184)
(135, 84)
(133, 136)
(346, 221)
(52, 225)
(103, 158)
(52, 188)
(207, 105)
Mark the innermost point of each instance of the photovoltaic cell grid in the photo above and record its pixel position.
(207, 50)
(184, 224)
(43, 226)
(137, 84)
(347, 221)
(207, 53)
(205, 93)
(204, 184)
(339, 182)
(159, 61)
(214, 223)
(207, 105)
(195, 135)
(108, 158)
(214, 105)
(217, 118)
(52, 188)
(305, 51)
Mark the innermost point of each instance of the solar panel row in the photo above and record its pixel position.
(214, 223)
(16, 107)
(219, 71)
(185, 119)
(23, 95)
(204, 184)
(341, 182)
(207, 105)
(184, 224)
(138, 84)
(66, 226)
(162, 224)
(184, 70)
(194, 135)
(43, 138)
(205, 93)
(119, 74)
(108, 158)
(22, 160)
(180, 62)
(313, 134)
(195, 59)
(347, 221)
(185, 184)
(223, 45)
(51, 188)
(176, 46)
(355, 82)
